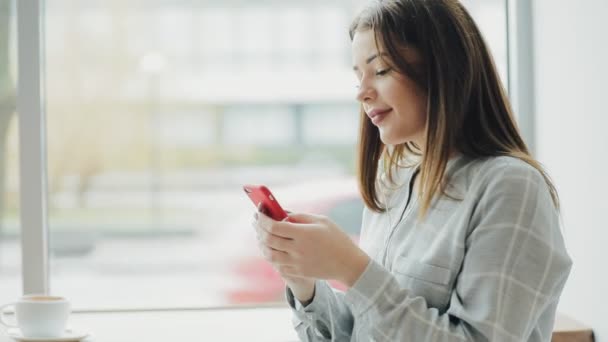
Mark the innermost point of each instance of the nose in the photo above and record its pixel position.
(365, 92)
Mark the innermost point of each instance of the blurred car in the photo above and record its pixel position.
(339, 200)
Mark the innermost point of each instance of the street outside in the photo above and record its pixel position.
(193, 266)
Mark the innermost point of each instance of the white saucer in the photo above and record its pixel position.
(68, 336)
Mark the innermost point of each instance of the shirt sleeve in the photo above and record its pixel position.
(326, 318)
(513, 272)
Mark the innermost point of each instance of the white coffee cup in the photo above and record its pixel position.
(39, 316)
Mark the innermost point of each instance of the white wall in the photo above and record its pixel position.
(571, 71)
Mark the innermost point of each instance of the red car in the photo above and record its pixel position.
(259, 282)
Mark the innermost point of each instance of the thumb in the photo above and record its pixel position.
(303, 218)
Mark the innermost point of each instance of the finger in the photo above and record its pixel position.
(262, 209)
(275, 257)
(261, 215)
(286, 219)
(304, 218)
(279, 228)
(276, 242)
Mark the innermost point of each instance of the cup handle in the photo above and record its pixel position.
(3, 320)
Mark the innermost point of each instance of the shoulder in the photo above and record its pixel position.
(505, 171)
(508, 189)
(510, 182)
(500, 179)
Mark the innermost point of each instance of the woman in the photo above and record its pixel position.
(460, 236)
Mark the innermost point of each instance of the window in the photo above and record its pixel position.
(158, 112)
(491, 17)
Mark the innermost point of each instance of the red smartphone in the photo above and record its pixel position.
(260, 194)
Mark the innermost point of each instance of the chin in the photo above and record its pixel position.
(391, 139)
(399, 132)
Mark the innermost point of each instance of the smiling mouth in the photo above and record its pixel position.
(376, 118)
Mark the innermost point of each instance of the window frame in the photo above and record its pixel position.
(520, 67)
(32, 142)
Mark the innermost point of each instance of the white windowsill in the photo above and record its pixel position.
(264, 324)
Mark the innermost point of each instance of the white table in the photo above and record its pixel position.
(271, 324)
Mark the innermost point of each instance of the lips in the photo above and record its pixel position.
(377, 115)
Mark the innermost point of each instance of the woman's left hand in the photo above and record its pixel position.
(311, 246)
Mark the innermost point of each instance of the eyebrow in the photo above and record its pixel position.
(371, 58)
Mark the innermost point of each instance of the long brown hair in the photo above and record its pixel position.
(467, 108)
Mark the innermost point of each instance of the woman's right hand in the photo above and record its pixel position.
(302, 288)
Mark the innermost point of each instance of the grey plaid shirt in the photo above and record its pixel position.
(487, 267)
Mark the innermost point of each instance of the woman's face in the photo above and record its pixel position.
(392, 101)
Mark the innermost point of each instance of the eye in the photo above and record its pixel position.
(383, 71)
